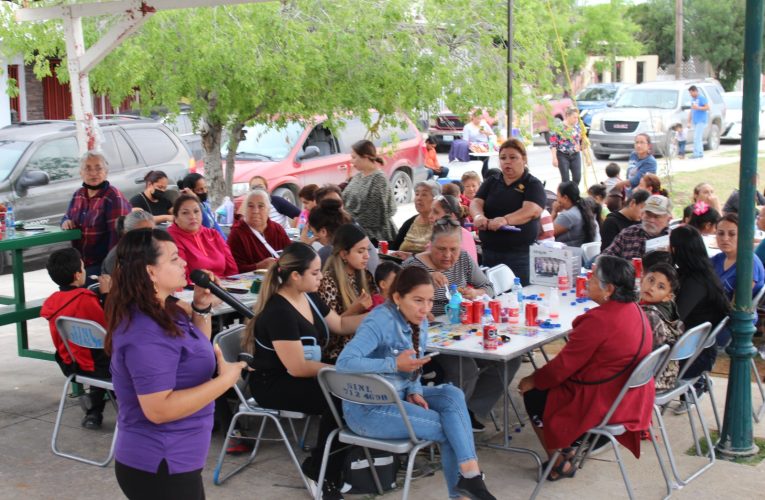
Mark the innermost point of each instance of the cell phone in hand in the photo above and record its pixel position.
(236, 290)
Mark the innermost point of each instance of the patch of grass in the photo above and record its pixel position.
(753, 460)
(724, 179)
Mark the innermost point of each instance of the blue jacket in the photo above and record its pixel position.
(639, 167)
(378, 341)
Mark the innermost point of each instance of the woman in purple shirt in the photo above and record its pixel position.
(162, 368)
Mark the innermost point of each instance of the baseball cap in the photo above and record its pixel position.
(658, 204)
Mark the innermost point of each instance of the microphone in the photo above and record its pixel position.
(200, 278)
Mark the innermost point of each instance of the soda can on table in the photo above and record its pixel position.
(581, 287)
(477, 311)
(637, 263)
(490, 341)
(496, 307)
(383, 247)
(532, 310)
(466, 312)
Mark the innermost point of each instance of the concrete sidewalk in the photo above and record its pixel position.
(28, 470)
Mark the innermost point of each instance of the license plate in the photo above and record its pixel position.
(448, 138)
(621, 126)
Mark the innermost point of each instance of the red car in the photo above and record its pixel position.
(296, 154)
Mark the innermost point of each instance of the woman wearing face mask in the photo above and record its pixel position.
(201, 247)
(196, 185)
(153, 199)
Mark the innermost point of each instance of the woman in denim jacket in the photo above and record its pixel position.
(388, 342)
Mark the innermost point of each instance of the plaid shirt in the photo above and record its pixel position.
(96, 217)
(630, 243)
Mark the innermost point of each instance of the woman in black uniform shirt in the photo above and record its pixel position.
(516, 198)
(153, 199)
(287, 310)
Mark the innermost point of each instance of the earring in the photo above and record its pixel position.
(156, 290)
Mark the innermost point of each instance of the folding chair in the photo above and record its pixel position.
(711, 341)
(687, 347)
(378, 392)
(758, 412)
(590, 251)
(83, 333)
(643, 373)
(230, 342)
(501, 277)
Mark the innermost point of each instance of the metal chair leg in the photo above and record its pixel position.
(710, 386)
(373, 470)
(667, 481)
(545, 473)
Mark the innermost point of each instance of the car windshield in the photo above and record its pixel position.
(596, 94)
(734, 101)
(266, 142)
(648, 98)
(10, 152)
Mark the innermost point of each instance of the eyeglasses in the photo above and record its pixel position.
(446, 221)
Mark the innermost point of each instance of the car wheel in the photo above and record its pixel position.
(602, 156)
(286, 193)
(401, 184)
(713, 141)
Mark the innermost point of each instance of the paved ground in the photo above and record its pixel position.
(30, 390)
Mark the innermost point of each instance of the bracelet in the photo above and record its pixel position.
(201, 312)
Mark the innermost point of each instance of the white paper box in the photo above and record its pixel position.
(544, 262)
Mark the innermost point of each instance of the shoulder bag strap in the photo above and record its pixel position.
(321, 318)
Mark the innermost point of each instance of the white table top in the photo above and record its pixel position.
(236, 282)
(487, 154)
(523, 339)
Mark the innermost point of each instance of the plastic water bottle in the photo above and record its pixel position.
(563, 283)
(514, 311)
(454, 305)
(229, 205)
(554, 299)
(10, 222)
(517, 290)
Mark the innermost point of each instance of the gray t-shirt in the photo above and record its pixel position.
(573, 221)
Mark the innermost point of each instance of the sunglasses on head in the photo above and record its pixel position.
(446, 221)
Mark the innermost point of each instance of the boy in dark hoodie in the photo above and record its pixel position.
(657, 298)
(67, 270)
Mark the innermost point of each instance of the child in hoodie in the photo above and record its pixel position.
(657, 298)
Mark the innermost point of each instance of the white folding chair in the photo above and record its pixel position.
(230, 342)
(590, 250)
(687, 347)
(89, 334)
(378, 391)
(501, 277)
(643, 373)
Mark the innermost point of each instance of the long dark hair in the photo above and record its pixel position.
(691, 259)
(406, 280)
(620, 273)
(190, 181)
(570, 190)
(329, 215)
(154, 176)
(132, 287)
(366, 149)
(297, 257)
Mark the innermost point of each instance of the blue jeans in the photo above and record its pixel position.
(446, 422)
(698, 139)
(444, 172)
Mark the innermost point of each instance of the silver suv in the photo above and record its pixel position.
(39, 163)
(652, 108)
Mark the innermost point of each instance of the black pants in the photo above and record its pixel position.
(284, 392)
(100, 370)
(535, 401)
(161, 485)
(570, 163)
(517, 259)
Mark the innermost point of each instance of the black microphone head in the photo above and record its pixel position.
(200, 278)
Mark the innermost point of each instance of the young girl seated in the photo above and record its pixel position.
(385, 273)
(657, 298)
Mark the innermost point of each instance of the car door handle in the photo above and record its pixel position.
(342, 167)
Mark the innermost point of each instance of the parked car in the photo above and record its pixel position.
(652, 108)
(181, 124)
(444, 128)
(733, 116)
(292, 155)
(596, 97)
(39, 163)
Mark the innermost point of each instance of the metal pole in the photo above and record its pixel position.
(736, 439)
(509, 68)
(678, 39)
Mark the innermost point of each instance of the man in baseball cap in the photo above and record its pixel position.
(654, 222)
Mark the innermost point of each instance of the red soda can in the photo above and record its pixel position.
(383, 247)
(581, 287)
(477, 311)
(466, 312)
(638, 264)
(490, 338)
(589, 274)
(531, 314)
(495, 307)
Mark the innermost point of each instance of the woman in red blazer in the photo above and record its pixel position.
(574, 391)
(255, 239)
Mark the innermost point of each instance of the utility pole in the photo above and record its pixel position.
(678, 39)
(509, 68)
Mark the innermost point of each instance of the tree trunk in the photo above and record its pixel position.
(211, 141)
(234, 137)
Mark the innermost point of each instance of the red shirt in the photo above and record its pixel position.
(78, 303)
(205, 249)
(248, 250)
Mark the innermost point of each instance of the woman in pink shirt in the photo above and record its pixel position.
(201, 247)
(449, 206)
